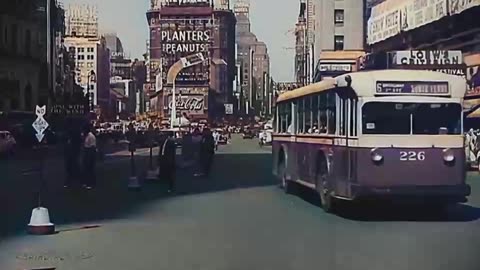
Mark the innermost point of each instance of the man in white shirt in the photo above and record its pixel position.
(89, 157)
(216, 137)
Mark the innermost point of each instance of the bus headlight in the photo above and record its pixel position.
(376, 155)
(448, 155)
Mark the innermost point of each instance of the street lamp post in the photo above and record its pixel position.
(91, 80)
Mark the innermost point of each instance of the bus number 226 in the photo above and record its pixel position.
(412, 156)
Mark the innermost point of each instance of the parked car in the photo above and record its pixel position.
(7, 143)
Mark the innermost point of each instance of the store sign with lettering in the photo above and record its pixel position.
(458, 6)
(451, 71)
(188, 103)
(421, 12)
(383, 23)
(185, 41)
(412, 88)
(336, 67)
(427, 58)
(69, 109)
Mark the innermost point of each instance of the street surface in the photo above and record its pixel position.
(236, 219)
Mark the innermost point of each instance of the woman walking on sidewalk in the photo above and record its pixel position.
(166, 160)
(89, 158)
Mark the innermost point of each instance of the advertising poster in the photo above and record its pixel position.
(184, 38)
(473, 80)
(459, 6)
(418, 13)
(189, 103)
(385, 21)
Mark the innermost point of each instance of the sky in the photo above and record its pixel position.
(270, 19)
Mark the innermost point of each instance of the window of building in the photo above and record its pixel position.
(339, 40)
(339, 16)
(81, 57)
(90, 49)
(28, 42)
(14, 37)
(81, 50)
(5, 33)
(90, 57)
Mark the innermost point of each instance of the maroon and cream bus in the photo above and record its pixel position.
(388, 133)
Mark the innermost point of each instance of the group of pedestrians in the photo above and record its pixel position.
(198, 149)
(80, 156)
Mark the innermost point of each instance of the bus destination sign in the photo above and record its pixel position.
(412, 88)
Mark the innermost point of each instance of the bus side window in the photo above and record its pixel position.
(301, 116)
(315, 114)
(353, 117)
(342, 110)
(322, 114)
(308, 115)
(331, 113)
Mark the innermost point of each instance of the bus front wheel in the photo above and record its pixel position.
(286, 185)
(325, 194)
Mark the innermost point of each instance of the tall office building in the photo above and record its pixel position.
(92, 57)
(254, 62)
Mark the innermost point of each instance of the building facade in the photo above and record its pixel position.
(433, 33)
(92, 57)
(254, 63)
(178, 30)
(24, 67)
(301, 48)
(339, 32)
(223, 65)
(120, 63)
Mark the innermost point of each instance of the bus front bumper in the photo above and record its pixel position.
(456, 193)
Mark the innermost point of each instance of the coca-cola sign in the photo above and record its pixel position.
(188, 103)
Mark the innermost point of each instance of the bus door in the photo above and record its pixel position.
(304, 117)
(292, 148)
(343, 154)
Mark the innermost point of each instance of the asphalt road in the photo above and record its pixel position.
(236, 219)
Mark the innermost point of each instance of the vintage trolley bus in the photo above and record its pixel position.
(388, 133)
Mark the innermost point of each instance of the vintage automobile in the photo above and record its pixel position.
(248, 134)
(7, 143)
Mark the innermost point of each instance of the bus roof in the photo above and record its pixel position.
(364, 82)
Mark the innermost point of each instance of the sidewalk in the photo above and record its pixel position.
(19, 187)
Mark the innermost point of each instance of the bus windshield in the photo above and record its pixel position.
(394, 118)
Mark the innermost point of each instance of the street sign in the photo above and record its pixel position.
(228, 108)
(40, 124)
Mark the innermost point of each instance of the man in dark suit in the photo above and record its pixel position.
(207, 151)
(166, 159)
